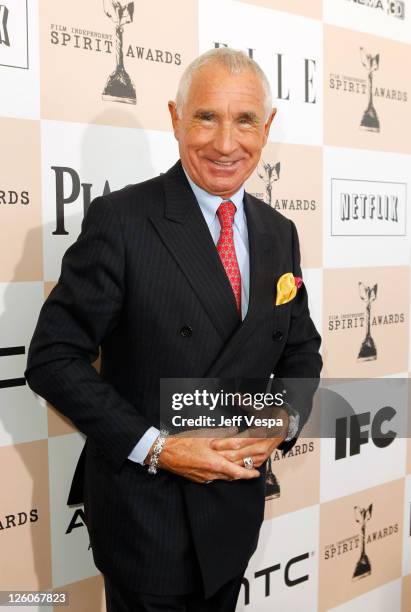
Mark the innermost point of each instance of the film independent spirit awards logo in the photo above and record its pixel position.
(346, 322)
(370, 120)
(270, 174)
(362, 541)
(119, 86)
(272, 483)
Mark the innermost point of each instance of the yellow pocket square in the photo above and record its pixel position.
(287, 286)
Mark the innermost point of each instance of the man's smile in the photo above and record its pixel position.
(220, 165)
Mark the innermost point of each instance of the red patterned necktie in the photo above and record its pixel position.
(226, 250)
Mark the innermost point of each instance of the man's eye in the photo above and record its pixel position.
(207, 117)
(245, 121)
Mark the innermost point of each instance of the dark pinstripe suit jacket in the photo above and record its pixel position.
(144, 267)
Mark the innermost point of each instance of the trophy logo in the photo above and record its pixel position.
(270, 174)
(119, 86)
(272, 486)
(368, 351)
(370, 119)
(4, 35)
(363, 567)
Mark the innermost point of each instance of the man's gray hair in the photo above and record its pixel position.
(235, 61)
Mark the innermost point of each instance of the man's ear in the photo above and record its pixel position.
(175, 119)
(268, 124)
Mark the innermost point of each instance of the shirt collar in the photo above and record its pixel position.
(209, 203)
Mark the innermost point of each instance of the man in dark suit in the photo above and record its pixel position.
(176, 277)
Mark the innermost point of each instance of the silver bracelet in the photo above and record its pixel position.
(158, 447)
(293, 423)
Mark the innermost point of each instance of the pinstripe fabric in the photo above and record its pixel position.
(123, 600)
(143, 267)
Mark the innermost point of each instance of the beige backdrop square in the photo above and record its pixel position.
(313, 8)
(74, 72)
(344, 109)
(298, 472)
(25, 548)
(85, 595)
(20, 201)
(343, 307)
(409, 424)
(58, 425)
(406, 594)
(289, 178)
(383, 532)
(297, 475)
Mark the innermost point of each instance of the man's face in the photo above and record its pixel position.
(222, 129)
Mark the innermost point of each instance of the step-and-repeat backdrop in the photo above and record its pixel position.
(338, 163)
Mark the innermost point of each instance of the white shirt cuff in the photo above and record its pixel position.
(139, 452)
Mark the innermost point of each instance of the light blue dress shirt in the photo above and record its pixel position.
(209, 204)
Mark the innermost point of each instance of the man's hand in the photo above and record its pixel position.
(193, 458)
(245, 445)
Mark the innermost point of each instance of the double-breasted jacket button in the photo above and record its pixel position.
(186, 331)
(278, 335)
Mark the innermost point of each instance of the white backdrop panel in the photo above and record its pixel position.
(288, 48)
(79, 162)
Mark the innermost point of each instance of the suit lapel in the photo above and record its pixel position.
(184, 232)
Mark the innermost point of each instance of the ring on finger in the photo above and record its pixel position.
(248, 463)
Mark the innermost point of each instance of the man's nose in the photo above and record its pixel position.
(224, 139)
